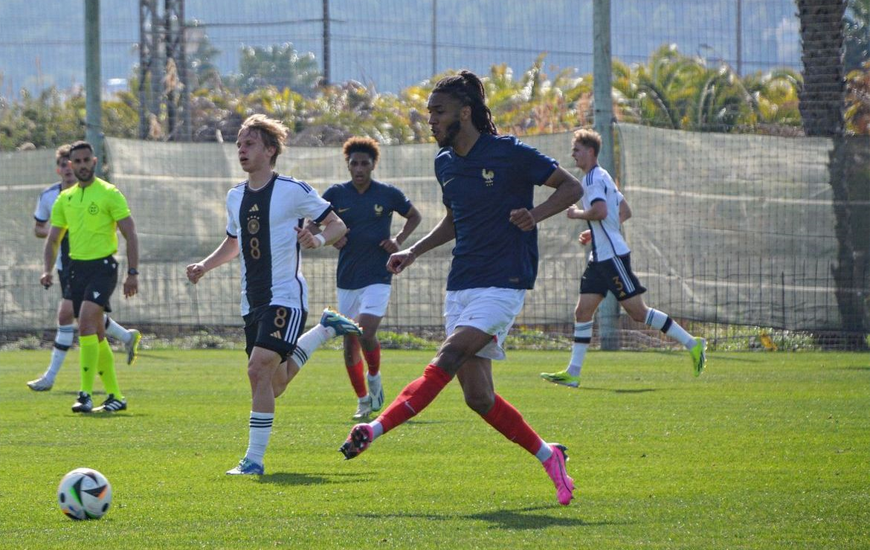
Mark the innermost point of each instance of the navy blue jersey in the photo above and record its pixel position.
(362, 262)
(498, 175)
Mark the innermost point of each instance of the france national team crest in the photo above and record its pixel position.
(488, 176)
(379, 210)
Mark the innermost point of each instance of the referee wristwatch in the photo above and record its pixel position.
(132, 271)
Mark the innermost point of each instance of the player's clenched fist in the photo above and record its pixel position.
(195, 272)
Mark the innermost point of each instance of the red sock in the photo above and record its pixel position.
(511, 424)
(373, 358)
(355, 372)
(415, 397)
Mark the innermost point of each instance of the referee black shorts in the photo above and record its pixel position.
(276, 328)
(92, 281)
(614, 275)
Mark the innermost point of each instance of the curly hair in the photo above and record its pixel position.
(365, 145)
(467, 88)
(272, 132)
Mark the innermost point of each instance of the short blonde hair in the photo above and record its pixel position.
(272, 132)
(62, 152)
(588, 138)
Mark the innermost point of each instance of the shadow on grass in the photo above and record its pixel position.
(295, 479)
(99, 415)
(858, 368)
(639, 390)
(506, 519)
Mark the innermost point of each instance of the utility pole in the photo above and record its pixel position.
(93, 101)
(434, 37)
(602, 76)
(163, 78)
(326, 68)
(178, 95)
(739, 37)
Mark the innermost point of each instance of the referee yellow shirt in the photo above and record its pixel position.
(90, 215)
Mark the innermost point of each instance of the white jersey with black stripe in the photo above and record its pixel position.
(43, 214)
(265, 222)
(607, 241)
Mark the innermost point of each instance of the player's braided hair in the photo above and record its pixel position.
(468, 89)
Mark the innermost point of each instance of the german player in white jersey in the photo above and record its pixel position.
(66, 327)
(265, 220)
(609, 266)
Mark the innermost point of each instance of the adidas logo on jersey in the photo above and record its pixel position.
(254, 208)
(277, 334)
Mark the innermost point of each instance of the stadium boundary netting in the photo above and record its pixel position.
(729, 229)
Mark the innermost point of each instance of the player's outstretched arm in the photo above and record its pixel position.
(224, 253)
(443, 232)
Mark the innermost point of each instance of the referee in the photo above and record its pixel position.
(92, 210)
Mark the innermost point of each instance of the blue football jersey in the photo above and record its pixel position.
(362, 262)
(498, 175)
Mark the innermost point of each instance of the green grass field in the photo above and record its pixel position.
(762, 451)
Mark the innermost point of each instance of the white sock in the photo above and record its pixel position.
(116, 331)
(377, 429)
(582, 337)
(544, 452)
(662, 321)
(309, 342)
(374, 383)
(258, 438)
(63, 340)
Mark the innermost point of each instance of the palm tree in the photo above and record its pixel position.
(822, 106)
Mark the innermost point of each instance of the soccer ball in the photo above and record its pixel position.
(84, 494)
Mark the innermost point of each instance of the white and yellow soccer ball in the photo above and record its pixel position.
(84, 494)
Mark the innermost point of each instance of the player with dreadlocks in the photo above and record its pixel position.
(487, 184)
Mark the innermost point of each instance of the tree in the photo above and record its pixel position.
(203, 72)
(279, 66)
(857, 34)
(822, 105)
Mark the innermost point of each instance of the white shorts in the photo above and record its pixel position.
(491, 310)
(371, 300)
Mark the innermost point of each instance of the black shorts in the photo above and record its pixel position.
(63, 279)
(612, 275)
(92, 281)
(275, 328)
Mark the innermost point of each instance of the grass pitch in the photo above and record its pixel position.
(762, 451)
